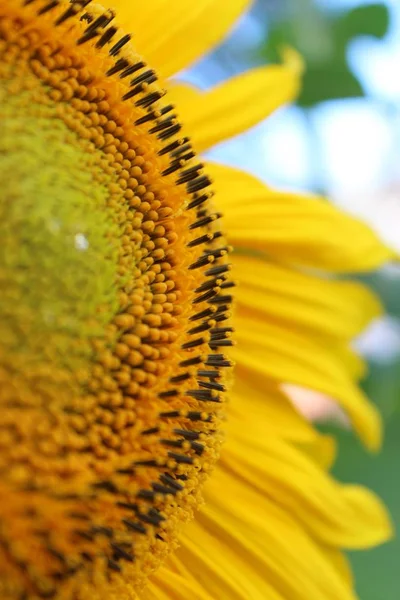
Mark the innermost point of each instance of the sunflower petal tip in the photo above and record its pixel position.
(373, 435)
(374, 518)
(293, 59)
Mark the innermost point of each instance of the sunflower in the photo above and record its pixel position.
(116, 324)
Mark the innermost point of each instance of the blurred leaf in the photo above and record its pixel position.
(323, 39)
(383, 386)
(320, 83)
(370, 20)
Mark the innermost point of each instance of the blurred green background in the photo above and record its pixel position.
(343, 139)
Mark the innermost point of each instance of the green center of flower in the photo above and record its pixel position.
(58, 271)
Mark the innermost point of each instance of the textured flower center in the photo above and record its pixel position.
(114, 310)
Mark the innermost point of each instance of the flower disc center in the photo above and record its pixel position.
(115, 313)
(59, 275)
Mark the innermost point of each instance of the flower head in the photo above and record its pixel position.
(116, 325)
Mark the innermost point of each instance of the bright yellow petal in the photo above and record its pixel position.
(264, 409)
(315, 305)
(224, 569)
(341, 516)
(235, 105)
(169, 585)
(253, 530)
(272, 525)
(340, 563)
(353, 363)
(172, 34)
(322, 450)
(298, 229)
(287, 356)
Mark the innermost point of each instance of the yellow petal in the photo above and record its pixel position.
(222, 567)
(172, 34)
(166, 584)
(262, 409)
(341, 563)
(235, 105)
(354, 364)
(312, 304)
(294, 228)
(322, 450)
(252, 531)
(287, 356)
(341, 516)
